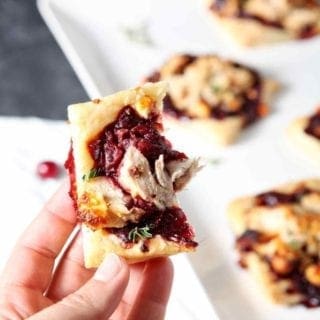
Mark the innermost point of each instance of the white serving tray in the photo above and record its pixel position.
(91, 35)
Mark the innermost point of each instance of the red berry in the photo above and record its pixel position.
(48, 169)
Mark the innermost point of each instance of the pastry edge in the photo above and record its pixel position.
(97, 244)
(99, 113)
(250, 33)
(308, 145)
(219, 132)
(236, 210)
(263, 276)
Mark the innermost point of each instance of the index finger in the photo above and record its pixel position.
(32, 260)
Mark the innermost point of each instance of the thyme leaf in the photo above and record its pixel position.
(294, 244)
(215, 88)
(93, 173)
(213, 161)
(139, 233)
(139, 34)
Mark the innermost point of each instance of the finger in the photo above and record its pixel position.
(152, 299)
(128, 299)
(148, 291)
(32, 260)
(97, 299)
(71, 273)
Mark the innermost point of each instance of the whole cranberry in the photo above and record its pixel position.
(48, 169)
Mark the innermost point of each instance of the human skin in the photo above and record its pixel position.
(31, 288)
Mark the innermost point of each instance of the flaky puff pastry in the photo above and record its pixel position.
(260, 22)
(278, 240)
(201, 84)
(103, 202)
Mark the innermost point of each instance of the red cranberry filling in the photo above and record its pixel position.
(218, 6)
(250, 106)
(69, 165)
(300, 285)
(246, 242)
(307, 32)
(109, 147)
(313, 127)
(154, 77)
(108, 150)
(170, 223)
(274, 198)
(188, 59)
(170, 109)
(249, 109)
(269, 23)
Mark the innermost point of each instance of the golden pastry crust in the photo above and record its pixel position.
(129, 207)
(276, 291)
(278, 240)
(249, 32)
(244, 213)
(264, 23)
(308, 145)
(207, 95)
(101, 112)
(98, 202)
(99, 243)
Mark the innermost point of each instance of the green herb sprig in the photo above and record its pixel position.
(93, 173)
(214, 161)
(294, 244)
(216, 88)
(139, 233)
(139, 34)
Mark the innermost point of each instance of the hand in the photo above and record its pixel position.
(28, 287)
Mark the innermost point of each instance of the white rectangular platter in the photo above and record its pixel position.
(91, 33)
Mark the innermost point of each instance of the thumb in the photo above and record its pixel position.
(97, 299)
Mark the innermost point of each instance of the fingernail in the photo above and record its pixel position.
(109, 268)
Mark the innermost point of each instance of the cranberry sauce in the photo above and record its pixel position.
(154, 77)
(310, 292)
(69, 165)
(187, 60)
(218, 6)
(244, 15)
(295, 273)
(274, 198)
(307, 32)
(251, 102)
(170, 109)
(300, 285)
(249, 109)
(246, 242)
(170, 223)
(108, 149)
(313, 127)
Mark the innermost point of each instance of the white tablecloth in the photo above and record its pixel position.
(23, 144)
